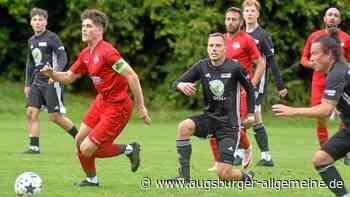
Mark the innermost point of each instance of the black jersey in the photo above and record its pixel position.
(42, 49)
(338, 87)
(221, 86)
(265, 45)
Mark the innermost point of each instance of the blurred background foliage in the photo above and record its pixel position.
(162, 38)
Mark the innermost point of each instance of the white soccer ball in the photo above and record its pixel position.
(28, 184)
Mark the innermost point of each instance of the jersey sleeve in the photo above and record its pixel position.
(267, 46)
(59, 59)
(29, 67)
(79, 67)
(306, 52)
(347, 49)
(191, 75)
(335, 83)
(112, 56)
(252, 49)
(244, 80)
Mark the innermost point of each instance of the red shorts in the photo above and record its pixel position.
(107, 120)
(317, 91)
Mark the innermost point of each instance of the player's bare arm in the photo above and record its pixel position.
(324, 109)
(260, 69)
(125, 69)
(66, 78)
(187, 88)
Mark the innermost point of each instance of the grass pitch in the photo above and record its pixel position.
(292, 141)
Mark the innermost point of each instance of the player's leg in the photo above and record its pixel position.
(196, 125)
(56, 109)
(99, 142)
(34, 102)
(324, 159)
(214, 151)
(227, 145)
(258, 127)
(321, 123)
(244, 144)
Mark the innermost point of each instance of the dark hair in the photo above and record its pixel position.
(38, 11)
(217, 34)
(330, 45)
(97, 17)
(234, 9)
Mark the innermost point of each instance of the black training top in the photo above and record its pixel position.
(42, 49)
(338, 87)
(221, 88)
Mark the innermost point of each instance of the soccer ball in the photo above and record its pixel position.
(28, 184)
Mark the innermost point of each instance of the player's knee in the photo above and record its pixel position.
(321, 158)
(223, 172)
(85, 150)
(31, 114)
(55, 117)
(185, 128)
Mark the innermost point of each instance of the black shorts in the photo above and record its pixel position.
(339, 144)
(260, 91)
(50, 97)
(226, 134)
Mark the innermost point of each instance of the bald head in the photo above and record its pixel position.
(332, 17)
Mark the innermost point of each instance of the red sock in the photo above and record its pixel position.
(322, 134)
(214, 148)
(244, 140)
(341, 124)
(107, 150)
(87, 163)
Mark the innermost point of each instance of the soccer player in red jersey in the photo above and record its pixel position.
(110, 111)
(331, 19)
(242, 48)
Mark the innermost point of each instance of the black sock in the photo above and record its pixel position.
(73, 131)
(261, 137)
(34, 141)
(332, 178)
(184, 150)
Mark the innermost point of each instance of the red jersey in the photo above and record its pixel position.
(242, 48)
(110, 85)
(319, 77)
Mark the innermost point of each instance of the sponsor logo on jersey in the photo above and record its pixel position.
(207, 75)
(96, 80)
(236, 45)
(42, 44)
(330, 92)
(37, 56)
(217, 88)
(226, 75)
(96, 59)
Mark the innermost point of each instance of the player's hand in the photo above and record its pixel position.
(248, 121)
(283, 110)
(51, 81)
(282, 93)
(47, 70)
(26, 91)
(144, 115)
(188, 89)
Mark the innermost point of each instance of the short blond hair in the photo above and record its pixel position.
(251, 3)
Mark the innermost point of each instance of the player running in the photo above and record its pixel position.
(111, 110)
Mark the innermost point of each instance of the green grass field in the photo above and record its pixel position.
(292, 141)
